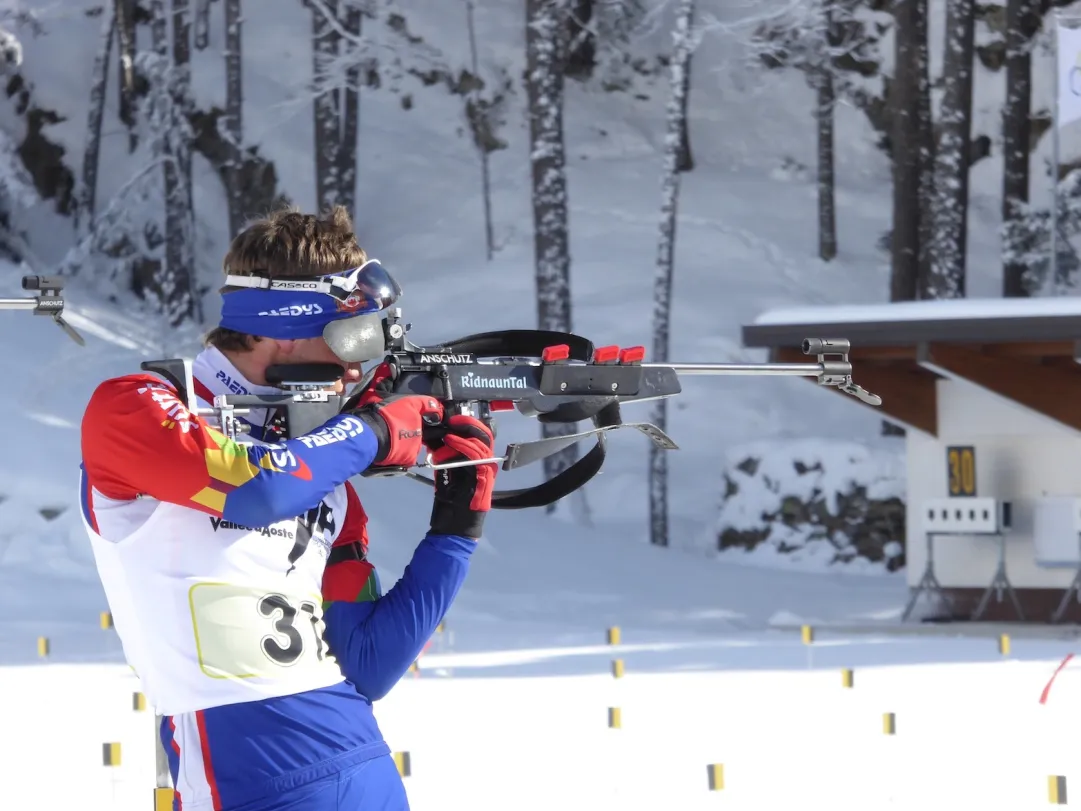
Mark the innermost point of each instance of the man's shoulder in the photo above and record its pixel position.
(125, 396)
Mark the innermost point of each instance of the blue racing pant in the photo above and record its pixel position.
(371, 785)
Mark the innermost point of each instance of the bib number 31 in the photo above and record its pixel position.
(284, 615)
(241, 632)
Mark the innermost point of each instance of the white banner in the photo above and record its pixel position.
(1068, 46)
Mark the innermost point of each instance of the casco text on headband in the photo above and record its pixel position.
(370, 280)
(301, 308)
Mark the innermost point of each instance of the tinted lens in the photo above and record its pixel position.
(375, 289)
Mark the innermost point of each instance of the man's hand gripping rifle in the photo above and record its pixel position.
(47, 302)
(556, 377)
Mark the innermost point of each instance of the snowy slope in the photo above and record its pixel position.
(746, 243)
(535, 581)
(746, 234)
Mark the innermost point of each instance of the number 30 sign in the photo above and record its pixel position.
(961, 470)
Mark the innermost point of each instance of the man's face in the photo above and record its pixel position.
(316, 350)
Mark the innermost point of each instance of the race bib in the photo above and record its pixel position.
(242, 632)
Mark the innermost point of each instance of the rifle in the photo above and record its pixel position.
(555, 377)
(47, 302)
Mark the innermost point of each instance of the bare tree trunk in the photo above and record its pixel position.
(905, 153)
(925, 134)
(173, 282)
(581, 48)
(84, 211)
(827, 211)
(159, 33)
(202, 24)
(125, 39)
(325, 107)
(551, 243)
(947, 278)
(1021, 25)
(182, 66)
(183, 106)
(682, 39)
(234, 109)
(825, 98)
(909, 108)
(350, 114)
(686, 158)
(482, 149)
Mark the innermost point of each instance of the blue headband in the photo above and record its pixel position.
(290, 309)
(279, 315)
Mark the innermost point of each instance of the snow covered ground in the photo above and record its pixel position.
(968, 734)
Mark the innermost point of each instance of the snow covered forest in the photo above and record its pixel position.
(938, 109)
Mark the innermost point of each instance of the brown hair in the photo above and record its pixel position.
(288, 244)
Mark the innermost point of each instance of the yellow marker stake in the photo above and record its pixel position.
(716, 776)
(1056, 789)
(110, 754)
(1004, 644)
(615, 718)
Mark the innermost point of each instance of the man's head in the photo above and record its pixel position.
(287, 244)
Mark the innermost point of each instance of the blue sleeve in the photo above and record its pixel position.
(375, 642)
(139, 439)
(318, 462)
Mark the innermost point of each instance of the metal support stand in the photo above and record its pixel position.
(929, 582)
(163, 778)
(1072, 589)
(999, 585)
(48, 302)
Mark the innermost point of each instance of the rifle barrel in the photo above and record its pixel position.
(808, 369)
(18, 303)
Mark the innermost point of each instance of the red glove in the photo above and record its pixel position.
(375, 390)
(398, 422)
(463, 495)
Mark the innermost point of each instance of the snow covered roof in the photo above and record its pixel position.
(989, 320)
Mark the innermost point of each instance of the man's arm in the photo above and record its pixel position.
(138, 438)
(374, 636)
